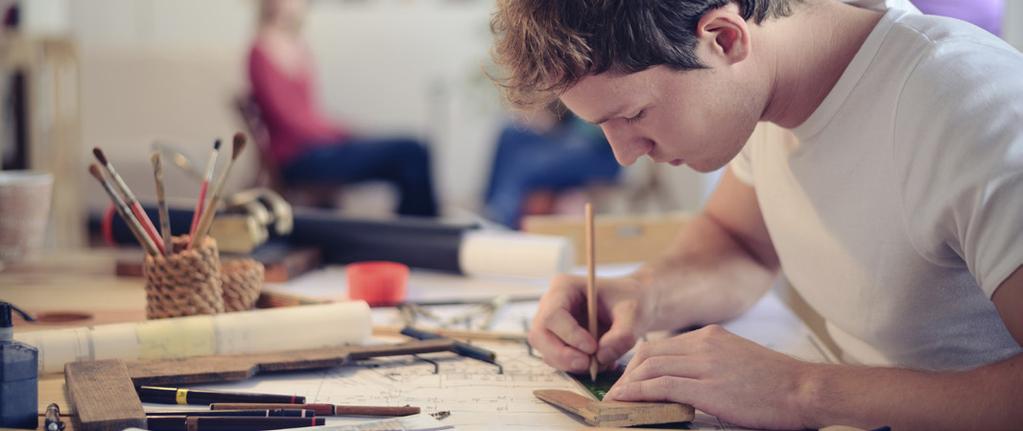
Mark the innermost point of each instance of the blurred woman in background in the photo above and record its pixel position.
(306, 146)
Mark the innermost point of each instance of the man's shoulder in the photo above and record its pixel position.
(938, 34)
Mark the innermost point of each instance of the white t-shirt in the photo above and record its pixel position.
(899, 210)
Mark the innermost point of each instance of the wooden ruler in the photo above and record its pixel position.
(616, 413)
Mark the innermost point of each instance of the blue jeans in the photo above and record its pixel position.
(526, 161)
(402, 162)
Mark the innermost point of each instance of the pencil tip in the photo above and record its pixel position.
(99, 155)
(216, 144)
(239, 145)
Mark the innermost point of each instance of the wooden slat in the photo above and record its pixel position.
(103, 396)
(616, 413)
(226, 368)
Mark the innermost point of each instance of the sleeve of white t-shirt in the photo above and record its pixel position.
(742, 165)
(958, 153)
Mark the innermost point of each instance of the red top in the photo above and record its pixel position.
(288, 106)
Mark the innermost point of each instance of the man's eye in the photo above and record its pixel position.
(636, 117)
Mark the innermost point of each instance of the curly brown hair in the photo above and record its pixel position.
(546, 46)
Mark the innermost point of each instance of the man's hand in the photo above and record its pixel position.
(560, 337)
(720, 373)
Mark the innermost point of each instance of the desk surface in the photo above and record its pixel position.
(477, 397)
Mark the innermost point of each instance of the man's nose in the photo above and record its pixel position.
(626, 147)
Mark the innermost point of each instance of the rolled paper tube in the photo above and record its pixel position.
(514, 254)
(257, 331)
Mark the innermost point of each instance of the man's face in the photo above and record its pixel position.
(701, 118)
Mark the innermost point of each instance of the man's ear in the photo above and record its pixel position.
(725, 34)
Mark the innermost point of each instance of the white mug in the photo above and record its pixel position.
(24, 213)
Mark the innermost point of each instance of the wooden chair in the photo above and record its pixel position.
(269, 172)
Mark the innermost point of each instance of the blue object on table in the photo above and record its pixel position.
(19, 367)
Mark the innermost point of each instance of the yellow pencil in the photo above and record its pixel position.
(591, 290)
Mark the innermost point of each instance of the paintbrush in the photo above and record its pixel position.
(123, 211)
(161, 201)
(200, 206)
(237, 145)
(130, 199)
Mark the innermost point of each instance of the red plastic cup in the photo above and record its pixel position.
(377, 283)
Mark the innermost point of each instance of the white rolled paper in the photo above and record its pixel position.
(257, 331)
(514, 254)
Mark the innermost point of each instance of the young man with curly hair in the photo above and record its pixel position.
(896, 213)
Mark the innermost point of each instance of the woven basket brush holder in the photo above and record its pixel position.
(185, 283)
(242, 279)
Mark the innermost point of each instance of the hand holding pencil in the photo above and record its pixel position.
(560, 329)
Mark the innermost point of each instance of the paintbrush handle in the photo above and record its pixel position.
(199, 207)
(129, 219)
(161, 201)
(207, 217)
(147, 224)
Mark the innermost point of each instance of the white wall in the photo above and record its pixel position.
(163, 68)
(1013, 24)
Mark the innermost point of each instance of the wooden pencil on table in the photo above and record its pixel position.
(325, 409)
(200, 205)
(130, 199)
(591, 291)
(122, 209)
(237, 145)
(161, 202)
(236, 423)
(264, 413)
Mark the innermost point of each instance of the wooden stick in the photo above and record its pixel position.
(129, 198)
(238, 144)
(200, 205)
(161, 201)
(591, 291)
(124, 212)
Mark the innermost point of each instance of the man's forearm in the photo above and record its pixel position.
(708, 276)
(986, 398)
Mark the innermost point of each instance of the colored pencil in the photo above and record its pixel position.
(293, 413)
(130, 199)
(161, 201)
(200, 205)
(124, 212)
(325, 409)
(161, 395)
(591, 288)
(237, 145)
(200, 423)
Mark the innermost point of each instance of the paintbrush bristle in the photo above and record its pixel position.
(216, 145)
(239, 144)
(94, 170)
(155, 158)
(99, 155)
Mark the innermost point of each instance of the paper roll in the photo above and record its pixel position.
(514, 254)
(293, 328)
(258, 331)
